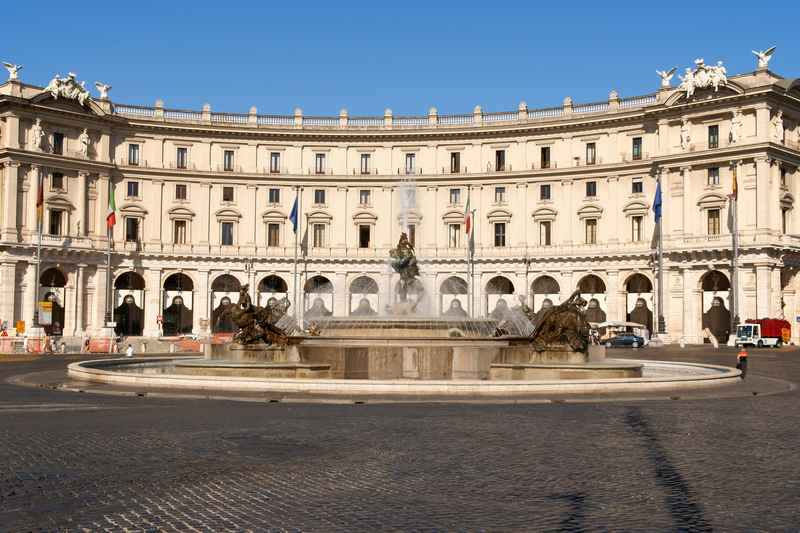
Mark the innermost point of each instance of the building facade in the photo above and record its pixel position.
(561, 201)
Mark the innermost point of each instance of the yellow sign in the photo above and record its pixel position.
(20, 327)
(45, 313)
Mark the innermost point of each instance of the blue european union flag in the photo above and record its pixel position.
(293, 215)
(657, 201)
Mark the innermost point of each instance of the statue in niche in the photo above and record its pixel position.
(37, 134)
(563, 327)
(737, 126)
(129, 317)
(500, 310)
(547, 304)
(318, 309)
(778, 131)
(686, 137)
(84, 141)
(641, 314)
(717, 320)
(222, 317)
(364, 309)
(594, 313)
(455, 310)
(177, 318)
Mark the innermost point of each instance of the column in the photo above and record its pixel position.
(152, 306)
(80, 294)
(616, 297)
(692, 306)
(202, 232)
(340, 294)
(762, 122)
(762, 193)
(10, 183)
(518, 218)
(29, 291)
(100, 287)
(686, 207)
(776, 308)
(8, 285)
(101, 204)
(763, 295)
(81, 203)
(202, 296)
(663, 138)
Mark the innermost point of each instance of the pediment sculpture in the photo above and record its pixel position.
(68, 88)
(703, 76)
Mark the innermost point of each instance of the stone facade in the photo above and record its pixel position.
(561, 196)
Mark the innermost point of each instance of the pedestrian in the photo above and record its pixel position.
(129, 351)
(741, 361)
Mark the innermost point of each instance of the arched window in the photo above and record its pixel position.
(272, 284)
(318, 296)
(715, 281)
(364, 285)
(545, 285)
(638, 283)
(498, 292)
(129, 281)
(178, 282)
(592, 284)
(226, 283)
(52, 277)
(500, 285)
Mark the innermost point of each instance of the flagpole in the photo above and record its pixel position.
(662, 327)
(110, 236)
(735, 254)
(296, 234)
(471, 245)
(40, 224)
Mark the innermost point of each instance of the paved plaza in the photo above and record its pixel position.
(74, 461)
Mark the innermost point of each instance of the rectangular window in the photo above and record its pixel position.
(179, 232)
(319, 196)
(455, 162)
(713, 136)
(713, 221)
(180, 191)
(591, 231)
(275, 163)
(499, 195)
(58, 143)
(636, 149)
(55, 222)
(713, 176)
(591, 189)
(364, 197)
(363, 235)
(411, 231)
(500, 160)
(273, 234)
(591, 153)
(133, 189)
(319, 163)
(454, 237)
(545, 156)
(365, 163)
(227, 194)
(227, 160)
(182, 157)
(57, 181)
(319, 235)
(500, 234)
(133, 154)
(274, 196)
(545, 228)
(455, 196)
(227, 233)
(131, 229)
(411, 163)
(637, 187)
(636, 228)
(784, 220)
(544, 191)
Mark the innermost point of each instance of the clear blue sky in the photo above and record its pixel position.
(407, 55)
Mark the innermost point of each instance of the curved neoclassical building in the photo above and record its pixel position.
(561, 197)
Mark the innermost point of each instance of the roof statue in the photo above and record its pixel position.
(103, 89)
(666, 76)
(703, 76)
(764, 56)
(68, 88)
(13, 70)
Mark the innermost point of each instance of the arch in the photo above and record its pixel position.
(318, 284)
(591, 284)
(453, 215)
(635, 208)
(545, 213)
(225, 283)
(638, 283)
(133, 209)
(319, 216)
(365, 217)
(129, 281)
(272, 283)
(60, 202)
(499, 285)
(53, 277)
(711, 200)
(499, 215)
(178, 282)
(181, 212)
(590, 211)
(228, 213)
(545, 285)
(714, 281)
(273, 215)
(364, 285)
(454, 285)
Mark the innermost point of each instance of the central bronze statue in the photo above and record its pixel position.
(404, 262)
(563, 327)
(257, 324)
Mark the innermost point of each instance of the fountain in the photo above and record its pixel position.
(402, 352)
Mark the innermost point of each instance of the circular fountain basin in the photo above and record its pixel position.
(163, 373)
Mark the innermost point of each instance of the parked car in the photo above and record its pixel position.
(625, 339)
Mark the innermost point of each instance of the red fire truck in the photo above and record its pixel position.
(763, 332)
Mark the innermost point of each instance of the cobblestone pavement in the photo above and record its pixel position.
(72, 461)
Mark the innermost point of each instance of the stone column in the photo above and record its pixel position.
(203, 228)
(8, 286)
(29, 291)
(762, 122)
(202, 300)
(81, 204)
(12, 131)
(663, 138)
(762, 193)
(70, 301)
(100, 288)
(776, 294)
(763, 295)
(80, 295)
(686, 207)
(152, 306)
(10, 184)
(616, 295)
(340, 294)
(101, 233)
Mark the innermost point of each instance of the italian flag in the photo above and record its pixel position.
(111, 215)
(467, 218)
